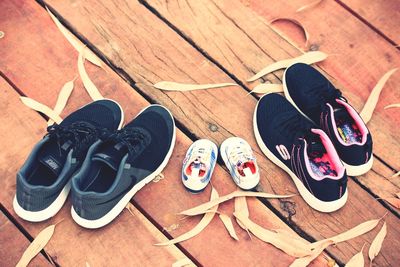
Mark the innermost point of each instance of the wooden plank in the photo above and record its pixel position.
(230, 107)
(14, 244)
(111, 85)
(131, 239)
(382, 15)
(163, 56)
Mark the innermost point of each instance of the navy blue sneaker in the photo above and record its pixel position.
(317, 99)
(114, 170)
(306, 153)
(43, 182)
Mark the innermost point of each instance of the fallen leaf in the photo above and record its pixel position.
(349, 234)
(241, 207)
(87, 264)
(309, 6)
(158, 178)
(33, 104)
(62, 99)
(297, 23)
(357, 260)
(89, 85)
(290, 246)
(199, 227)
(228, 225)
(397, 105)
(37, 245)
(398, 195)
(173, 86)
(75, 42)
(305, 261)
(182, 262)
(395, 175)
(372, 100)
(307, 58)
(206, 206)
(376, 244)
(395, 202)
(266, 88)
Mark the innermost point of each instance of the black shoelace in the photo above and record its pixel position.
(294, 126)
(131, 138)
(81, 134)
(323, 96)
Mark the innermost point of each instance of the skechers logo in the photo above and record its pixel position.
(283, 152)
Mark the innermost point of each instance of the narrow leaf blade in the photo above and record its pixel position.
(87, 82)
(357, 260)
(309, 6)
(62, 98)
(376, 244)
(305, 261)
(183, 87)
(33, 104)
(266, 88)
(228, 225)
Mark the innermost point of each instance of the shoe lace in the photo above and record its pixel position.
(81, 134)
(131, 138)
(295, 126)
(199, 154)
(323, 96)
(240, 153)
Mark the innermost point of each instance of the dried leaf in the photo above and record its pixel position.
(349, 234)
(376, 244)
(228, 225)
(37, 245)
(206, 206)
(78, 45)
(33, 104)
(182, 262)
(158, 178)
(305, 261)
(397, 105)
(87, 264)
(395, 175)
(309, 6)
(199, 227)
(372, 100)
(290, 246)
(398, 195)
(241, 207)
(395, 202)
(89, 85)
(357, 260)
(62, 99)
(297, 23)
(266, 88)
(173, 86)
(307, 58)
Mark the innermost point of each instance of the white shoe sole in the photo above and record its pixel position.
(114, 212)
(315, 203)
(54, 208)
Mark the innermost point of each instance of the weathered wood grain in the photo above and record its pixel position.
(383, 15)
(13, 245)
(169, 191)
(230, 106)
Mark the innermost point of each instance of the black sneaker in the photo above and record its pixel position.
(306, 153)
(43, 182)
(316, 98)
(114, 170)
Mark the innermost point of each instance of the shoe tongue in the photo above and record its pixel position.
(315, 147)
(53, 156)
(111, 155)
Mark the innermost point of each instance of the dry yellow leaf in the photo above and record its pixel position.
(78, 45)
(206, 206)
(291, 246)
(307, 58)
(349, 234)
(376, 244)
(158, 178)
(395, 202)
(266, 88)
(33, 104)
(37, 245)
(357, 260)
(372, 100)
(305, 261)
(397, 105)
(309, 6)
(173, 86)
(228, 225)
(398, 195)
(183, 262)
(62, 99)
(297, 23)
(395, 175)
(89, 85)
(200, 226)
(241, 206)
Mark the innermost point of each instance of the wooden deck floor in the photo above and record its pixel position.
(210, 41)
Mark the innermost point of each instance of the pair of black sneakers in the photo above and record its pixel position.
(315, 135)
(102, 164)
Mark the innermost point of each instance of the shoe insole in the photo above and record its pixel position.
(322, 166)
(99, 179)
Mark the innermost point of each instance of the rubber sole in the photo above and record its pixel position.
(350, 169)
(118, 208)
(58, 203)
(310, 199)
